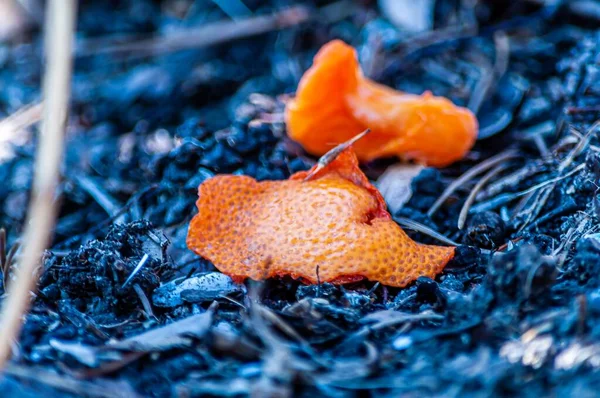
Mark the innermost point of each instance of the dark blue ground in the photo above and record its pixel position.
(516, 313)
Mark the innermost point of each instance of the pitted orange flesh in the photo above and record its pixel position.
(334, 101)
(337, 221)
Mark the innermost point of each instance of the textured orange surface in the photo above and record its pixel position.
(336, 220)
(334, 102)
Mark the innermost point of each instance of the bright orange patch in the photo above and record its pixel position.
(334, 101)
(336, 221)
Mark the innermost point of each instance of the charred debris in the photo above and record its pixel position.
(124, 309)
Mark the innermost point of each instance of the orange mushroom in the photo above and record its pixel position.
(329, 224)
(334, 101)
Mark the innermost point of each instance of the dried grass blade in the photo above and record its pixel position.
(60, 24)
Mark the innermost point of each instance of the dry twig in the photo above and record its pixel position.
(218, 32)
(542, 195)
(13, 128)
(418, 227)
(491, 75)
(462, 218)
(472, 172)
(333, 154)
(60, 24)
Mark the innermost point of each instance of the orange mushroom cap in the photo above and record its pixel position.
(333, 227)
(334, 101)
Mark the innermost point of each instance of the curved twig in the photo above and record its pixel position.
(472, 172)
(462, 217)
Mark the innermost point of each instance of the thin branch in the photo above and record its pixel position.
(332, 154)
(22, 118)
(218, 32)
(504, 184)
(13, 128)
(552, 181)
(137, 268)
(144, 300)
(60, 24)
(472, 172)
(491, 74)
(418, 227)
(99, 194)
(462, 217)
(543, 195)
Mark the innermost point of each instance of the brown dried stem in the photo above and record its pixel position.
(60, 23)
(218, 32)
(330, 156)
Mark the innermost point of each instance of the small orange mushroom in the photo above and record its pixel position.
(329, 224)
(334, 101)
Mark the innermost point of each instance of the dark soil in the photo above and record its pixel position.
(517, 312)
